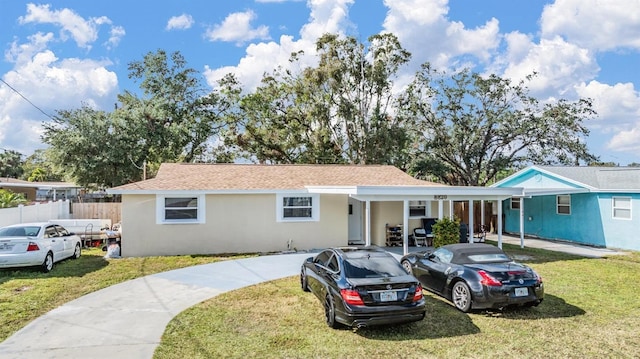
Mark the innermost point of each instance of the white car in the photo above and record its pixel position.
(37, 244)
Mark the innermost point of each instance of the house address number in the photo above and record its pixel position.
(440, 196)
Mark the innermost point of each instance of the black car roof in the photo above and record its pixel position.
(462, 251)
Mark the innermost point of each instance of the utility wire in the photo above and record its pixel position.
(26, 99)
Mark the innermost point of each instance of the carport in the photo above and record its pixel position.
(439, 194)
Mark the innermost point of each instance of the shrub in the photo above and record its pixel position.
(446, 231)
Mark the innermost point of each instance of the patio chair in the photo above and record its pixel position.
(420, 237)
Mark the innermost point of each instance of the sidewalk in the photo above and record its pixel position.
(127, 320)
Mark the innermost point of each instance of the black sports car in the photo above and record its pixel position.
(475, 276)
(362, 286)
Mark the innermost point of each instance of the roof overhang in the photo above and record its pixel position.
(427, 193)
(535, 192)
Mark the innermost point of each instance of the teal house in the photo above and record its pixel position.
(588, 205)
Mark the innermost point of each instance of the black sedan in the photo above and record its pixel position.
(362, 286)
(475, 276)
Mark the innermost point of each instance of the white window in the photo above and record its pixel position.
(621, 207)
(563, 204)
(515, 203)
(298, 208)
(180, 209)
(417, 208)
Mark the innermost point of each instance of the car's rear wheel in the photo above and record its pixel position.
(407, 266)
(461, 296)
(47, 265)
(303, 281)
(330, 312)
(77, 252)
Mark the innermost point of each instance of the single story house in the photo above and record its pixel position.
(587, 205)
(40, 191)
(224, 208)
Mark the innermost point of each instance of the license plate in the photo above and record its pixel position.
(521, 292)
(388, 296)
(4, 247)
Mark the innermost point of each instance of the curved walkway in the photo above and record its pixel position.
(127, 320)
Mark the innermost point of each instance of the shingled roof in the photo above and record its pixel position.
(248, 177)
(602, 178)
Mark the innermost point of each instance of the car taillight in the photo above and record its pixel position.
(488, 280)
(418, 295)
(538, 278)
(351, 297)
(32, 247)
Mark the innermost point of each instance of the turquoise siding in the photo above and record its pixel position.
(590, 222)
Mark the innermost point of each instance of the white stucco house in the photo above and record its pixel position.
(235, 208)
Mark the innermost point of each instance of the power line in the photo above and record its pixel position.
(26, 99)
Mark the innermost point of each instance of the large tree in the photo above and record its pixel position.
(173, 119)
(474, 126)
(88, 146)
(339, 111)
(10, 163)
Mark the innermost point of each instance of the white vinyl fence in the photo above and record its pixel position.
(39, 212)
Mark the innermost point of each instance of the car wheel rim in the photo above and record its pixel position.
(49, 262)
(77, 251)
(328, 310)
(407, 266)
(460, 296)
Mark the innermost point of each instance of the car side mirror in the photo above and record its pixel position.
(309, 260)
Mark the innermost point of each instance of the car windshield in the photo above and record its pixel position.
(373, 267)
(19, 231)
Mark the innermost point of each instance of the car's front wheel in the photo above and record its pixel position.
(47, 264)
(77, 252)
(461, 296)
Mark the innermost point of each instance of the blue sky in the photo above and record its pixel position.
(61, 54)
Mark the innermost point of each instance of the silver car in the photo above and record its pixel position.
(37, 244)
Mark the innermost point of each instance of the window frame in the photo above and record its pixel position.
(161, 209)
(514, 200)
(564, 205)
(614, 208)
(280, 207)
(416, 204)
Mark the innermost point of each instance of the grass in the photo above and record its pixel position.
(26, 294)
(591, 309)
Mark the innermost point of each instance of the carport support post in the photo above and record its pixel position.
(367, 225)
(470, 234)
(405, 226)
(521, 222)
(499, 224)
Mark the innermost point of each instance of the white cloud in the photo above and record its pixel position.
(237, 27)
(181, 22)
(594, 24)
(116, 34)
(50, 84)
(326, 16)
(559, 65)
(83, 32)
(424, 30)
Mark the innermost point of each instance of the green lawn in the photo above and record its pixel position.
(26, 294)
(591, 310)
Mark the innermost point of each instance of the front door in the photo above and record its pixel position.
(355, 222)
